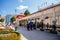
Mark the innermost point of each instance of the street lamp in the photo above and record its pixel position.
(45, 3)
(54, 20)
(15, 22)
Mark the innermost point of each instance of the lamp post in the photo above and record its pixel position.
(44, 4)
(16, 23)
(54, 20)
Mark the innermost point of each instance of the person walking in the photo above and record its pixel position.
(47, 25)
(31, 25)
(34, 26)
(41, 28)
(28, 26)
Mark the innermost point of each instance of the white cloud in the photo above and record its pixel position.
(21, 7)
(20, 0)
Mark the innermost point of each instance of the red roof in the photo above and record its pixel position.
(20, 16)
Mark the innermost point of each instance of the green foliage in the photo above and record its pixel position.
(2, 20)
(4, 32)
(26, 12)
(11, 36)
(13, 19)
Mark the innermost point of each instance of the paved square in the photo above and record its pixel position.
(37, 34)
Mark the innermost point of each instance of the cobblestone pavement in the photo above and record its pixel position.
(37, 34)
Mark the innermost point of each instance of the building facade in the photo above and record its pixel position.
(8, 18)
(49, 12)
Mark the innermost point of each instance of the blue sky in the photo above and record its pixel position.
(9, 6)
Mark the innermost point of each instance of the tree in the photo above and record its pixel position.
(26, 12)
(2, 20)
(13, 19)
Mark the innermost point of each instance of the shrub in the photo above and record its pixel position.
(11, 36)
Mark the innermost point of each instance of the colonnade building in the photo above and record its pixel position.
(47, 14)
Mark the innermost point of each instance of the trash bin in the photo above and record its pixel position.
(16, 28)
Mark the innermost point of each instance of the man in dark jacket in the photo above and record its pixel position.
(31, 24)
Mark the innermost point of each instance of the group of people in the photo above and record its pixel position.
(31, 25)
